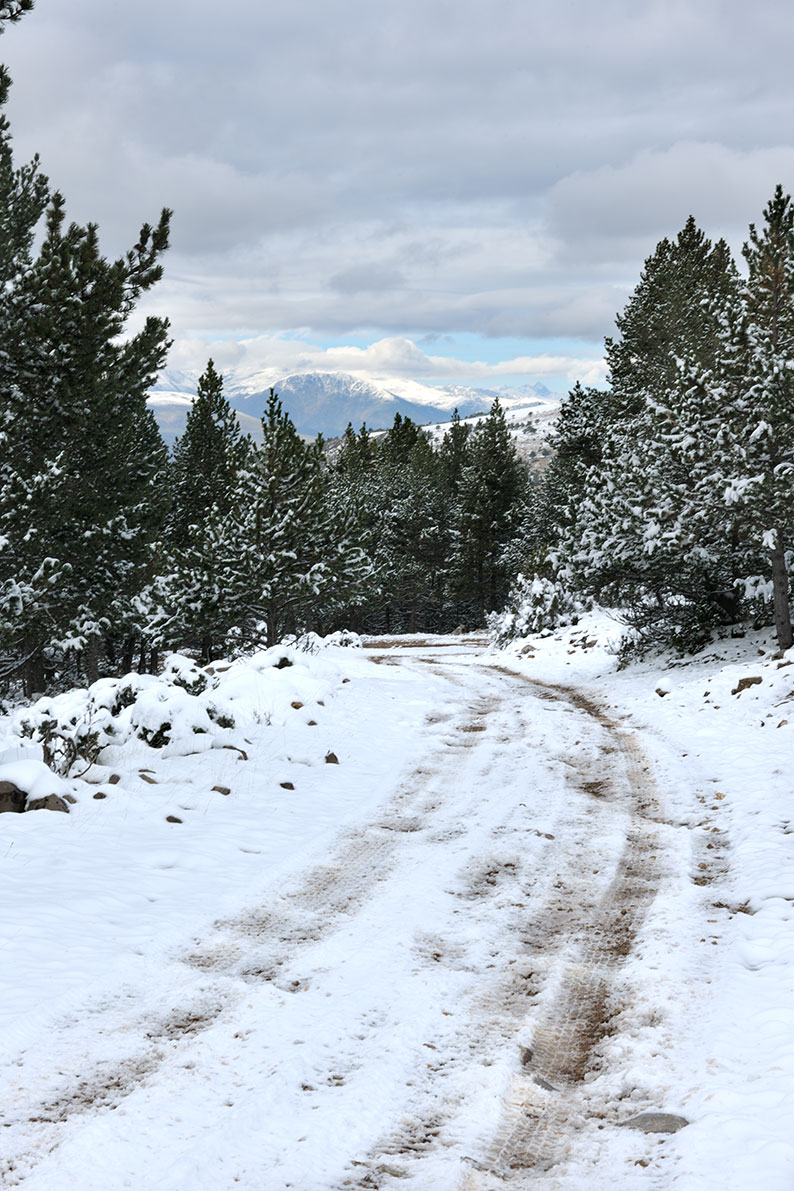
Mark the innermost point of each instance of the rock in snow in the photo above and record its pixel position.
(31, 786)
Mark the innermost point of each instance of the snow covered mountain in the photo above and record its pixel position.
(324, 402)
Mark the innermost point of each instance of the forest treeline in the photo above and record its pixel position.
(669, 495)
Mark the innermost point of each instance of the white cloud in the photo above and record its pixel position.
(273, 357)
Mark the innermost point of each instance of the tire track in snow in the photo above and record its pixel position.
(543, 1102)
(561, 976)
(258, 946)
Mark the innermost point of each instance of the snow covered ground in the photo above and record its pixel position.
(409, 917)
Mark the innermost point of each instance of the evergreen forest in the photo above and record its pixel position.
(669, 496)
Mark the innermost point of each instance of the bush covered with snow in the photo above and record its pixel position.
(533, 605)
(313, 643)
(186, 709)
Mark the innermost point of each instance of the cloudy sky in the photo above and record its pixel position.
(442, 189)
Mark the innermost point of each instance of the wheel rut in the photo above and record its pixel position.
(545, 1100)
(549, 991)
(259, 946)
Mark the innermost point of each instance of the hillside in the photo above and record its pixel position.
(325, 402)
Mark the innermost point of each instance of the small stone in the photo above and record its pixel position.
(656, 1122)
(744, 683)
(286, 785)
(114, 779)
(221, 789)
(172, 819)
(70, 798)
(311, 724)
(297, 705)
(51, 803)
(145, 777)
(99, 794)
(331, 759)
(345, 680)
(661, 693)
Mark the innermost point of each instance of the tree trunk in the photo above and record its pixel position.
(785, 638)
(271, 622)
(33, 671)
(127, 655)
(91, 660)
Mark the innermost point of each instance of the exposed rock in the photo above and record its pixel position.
(656, 1122)
(331, 759)
(221, 789)
(16, 801)
(114, 779)
(296, 704)
(744, 683)
(661, 693)
(146, 778)
(287, 785)
(172, 819)
(99, 794)
(51, 802)
(12, 799)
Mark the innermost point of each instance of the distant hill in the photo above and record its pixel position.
(324, 402)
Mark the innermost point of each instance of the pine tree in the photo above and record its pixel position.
(673, 313)
(412, 546)
(187, 605)
(762, 489)
(491, 489)
(12, 10)
(206, 459)
(454, 453)
(72, 398)
(287, 556)
(636, 534)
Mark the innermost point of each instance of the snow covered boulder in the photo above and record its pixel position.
(31, 786)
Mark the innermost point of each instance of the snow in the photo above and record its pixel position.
(330, 985)
(34, 777)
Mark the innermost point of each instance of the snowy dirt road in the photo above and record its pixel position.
(426, 1006)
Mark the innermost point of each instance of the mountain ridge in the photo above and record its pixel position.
(325, 402)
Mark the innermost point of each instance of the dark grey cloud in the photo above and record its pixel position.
(412, 169)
